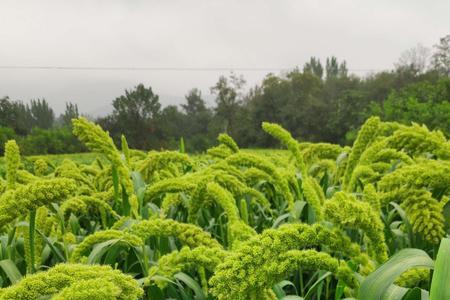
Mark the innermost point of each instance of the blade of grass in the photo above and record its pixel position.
(378, 282)
(441, 276)
(10, 269)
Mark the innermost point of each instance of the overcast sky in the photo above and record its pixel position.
(369, 35)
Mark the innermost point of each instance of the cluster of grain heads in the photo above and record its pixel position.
(366, 135)
(156, 161)
(99, 141)
(23, 199)
(97, 237)
(188, 234)
(237, 229)
(226, 147)
(170, 185)
(346, 211)
(417, 140)
(186, 259)
(417, 188)
(254, 266)
(254, 161)
(65, 281)
(228, 225)
(81, 205)
(313, 194)
(286, 138)
(228, 141)
(40, 167)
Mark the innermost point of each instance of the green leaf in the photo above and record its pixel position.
(280, 220)
(278, 288)
(138, 181)
(416, 294)
(55, 250)
(446, 212)
(395, 292)
(313, 288)
(378, 282)
(182, 148)
(441, 276)
(186, 279)
(10, 269)
(292, 297)
(100, 249)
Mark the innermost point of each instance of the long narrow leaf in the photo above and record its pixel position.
(186, 279)
(10, 270)
(440, 285)
(378, 282)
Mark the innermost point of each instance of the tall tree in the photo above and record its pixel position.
(441, 56)
(228, 93)
(197, 133)
(70, 113)
(314, 66)
(136, 112)
(415, 59)
(6, 112)
(42, 113)
(195, 103)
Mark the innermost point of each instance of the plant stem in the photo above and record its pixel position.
(32, 226)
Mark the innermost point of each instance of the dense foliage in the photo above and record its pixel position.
(319, 102)
(318, 221)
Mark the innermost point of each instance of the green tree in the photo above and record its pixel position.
(70, 113)
(314, 66)
(136, 114)
(423, 102)
(197, 132)
(228, 93)
(42, 114)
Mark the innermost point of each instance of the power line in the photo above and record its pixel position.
(161, 69)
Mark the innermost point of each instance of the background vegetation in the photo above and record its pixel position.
(319, 102)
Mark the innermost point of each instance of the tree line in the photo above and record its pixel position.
(321, 101)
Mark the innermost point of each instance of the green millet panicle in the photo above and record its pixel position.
(81, 205)
(238, 230)
(40, 167)
(250, 160)
(55, 280)
(417, 140)
(156, 161)
(99, 141)
(186, 259)
(102, 236)
(312, 152)
(228, 141)
(253, 265)
(345, 210)
(413, 277)
(313, 195)
(220, 151)
(12, 158)
(92, 289)
(371, 196)
(125, 149)
(189, 234)
(286, 138)
(366, 135)
(40, 193)
(170, 185)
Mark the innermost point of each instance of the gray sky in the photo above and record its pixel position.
(196, 34)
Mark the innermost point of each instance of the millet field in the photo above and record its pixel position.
(312, 221)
